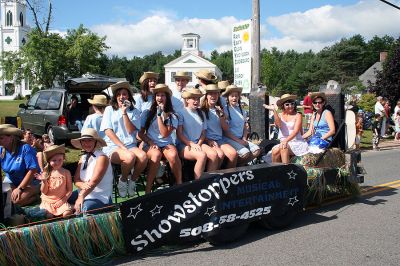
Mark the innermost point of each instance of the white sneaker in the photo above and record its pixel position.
(131, 188)
(122, 188)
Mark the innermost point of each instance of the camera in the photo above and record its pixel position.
(126, 103)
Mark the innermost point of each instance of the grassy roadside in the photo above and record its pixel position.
(10, 108)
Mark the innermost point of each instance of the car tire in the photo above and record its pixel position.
(227, 234)
(280, 221)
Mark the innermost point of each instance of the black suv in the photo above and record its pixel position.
(46, 111)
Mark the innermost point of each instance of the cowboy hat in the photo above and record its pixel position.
(206, 75)
(231, 88)
(99, 100)
(191, 92)
(223, 84)
(8, 129)
(286, 97)
(315, 95)
(53, 150)
(148, 75)
(212, 88)
(89, 133)
(182, 75)
(120, 85)
(162, 88)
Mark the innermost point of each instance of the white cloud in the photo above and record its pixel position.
(313, 29)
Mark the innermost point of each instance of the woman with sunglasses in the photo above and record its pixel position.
(322, 124)
(290, 124)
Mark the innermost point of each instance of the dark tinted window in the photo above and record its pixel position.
(32, 101)
(43, 100)
(55, 100)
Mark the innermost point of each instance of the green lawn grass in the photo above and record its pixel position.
(366, 140)
(10, 108)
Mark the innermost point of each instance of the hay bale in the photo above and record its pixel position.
(333, 158)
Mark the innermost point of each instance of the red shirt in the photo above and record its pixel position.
(307, 101)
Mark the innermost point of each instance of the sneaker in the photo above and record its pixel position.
(131, 187)
(122, 188)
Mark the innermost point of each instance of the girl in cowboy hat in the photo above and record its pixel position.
(56, 184)
(181, 80)
(147, 82)
(216, 124)
(289, 123)
(120, 124)
(236, 136)
(205, 77)
(157, 125)
(93, 176)
(99, 104)
(19, 163)
(322, 124)
(191, 134)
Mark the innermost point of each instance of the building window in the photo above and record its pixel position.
(21, 19)
(9, 20)
(190, 43)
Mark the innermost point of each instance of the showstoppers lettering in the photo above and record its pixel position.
(189, 206)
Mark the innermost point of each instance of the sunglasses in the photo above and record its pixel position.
(318, 102)
(287, 104)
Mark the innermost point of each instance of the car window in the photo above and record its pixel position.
(55, 100)
(43, 100)
(32, 101)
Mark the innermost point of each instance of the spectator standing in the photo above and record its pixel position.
(380, 110)
(376, 131)
(308, 109)
(359, 128)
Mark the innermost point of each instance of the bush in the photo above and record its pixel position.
(19, 97)
(367, 102)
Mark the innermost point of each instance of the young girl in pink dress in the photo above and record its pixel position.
(56, 184)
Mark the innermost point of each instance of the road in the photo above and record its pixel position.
(363, 231)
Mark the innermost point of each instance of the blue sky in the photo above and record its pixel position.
(137, 27)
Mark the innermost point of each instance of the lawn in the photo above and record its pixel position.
(10, 108)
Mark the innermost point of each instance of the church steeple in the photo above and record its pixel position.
(191, 43)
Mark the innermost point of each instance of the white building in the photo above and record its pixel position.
(13, 35)
(190, 61)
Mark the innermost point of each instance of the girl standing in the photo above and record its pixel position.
(56, 184)
(157, 125)
(191, 134)
(216, 125)
(120, 123)
(99, 103)
(236, 136)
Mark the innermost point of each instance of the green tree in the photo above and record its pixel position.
(367, 102)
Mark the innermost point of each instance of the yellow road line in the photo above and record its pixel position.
(381, 188)
(381, 185)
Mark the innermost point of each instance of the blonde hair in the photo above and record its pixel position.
(47, 168)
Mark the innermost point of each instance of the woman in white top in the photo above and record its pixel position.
(157, 125)
(147, 82)
(93, 176)
(99, 103)
(121, 121)
(191, 134)
(216, 125)
(290, 126)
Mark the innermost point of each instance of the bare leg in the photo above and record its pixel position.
(154, 156)
(199, 156)
(171, 154)
(141, 162)
(230, 154)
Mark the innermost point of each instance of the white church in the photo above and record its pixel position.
(190, 61)
(13, 35)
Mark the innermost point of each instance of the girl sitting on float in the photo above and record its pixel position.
(147, 82)
(56, 184)
(120, 123)
(322, 125)
(290, 124)
(236, 136)
(157, 125)
(216, 124)
(191, 134)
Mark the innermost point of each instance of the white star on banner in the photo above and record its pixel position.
(293, 201)
(292, 175)
(210, 211)
(134, 211)
(156, 210)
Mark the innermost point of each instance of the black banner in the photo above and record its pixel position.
(222, 199)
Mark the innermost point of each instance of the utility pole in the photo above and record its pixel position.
(258, 114)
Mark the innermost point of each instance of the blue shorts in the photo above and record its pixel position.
(240, 149)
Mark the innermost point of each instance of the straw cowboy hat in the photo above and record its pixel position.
(99, 100)
(191, 92)
(162, 88)
(286, 97)
(182, 75)
(148, 75)
(206, 75)
(8, 129)
(315, 95)
(120, 85)
(89, 133)
(53, 150)
(212, 88)
(231, 88)
(223, 84)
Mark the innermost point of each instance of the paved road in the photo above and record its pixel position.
(364, 231)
